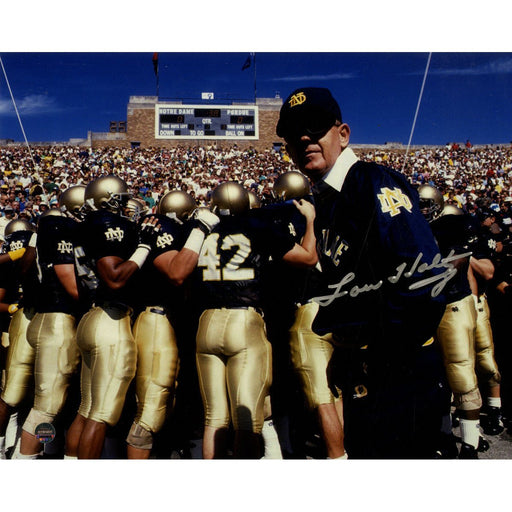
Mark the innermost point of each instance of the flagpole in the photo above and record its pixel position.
(157, 74)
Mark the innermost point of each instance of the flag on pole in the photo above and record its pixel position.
(155, 63)
(248, 62)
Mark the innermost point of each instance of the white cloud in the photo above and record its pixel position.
(304, 78)
(29, 105)
(497, 67)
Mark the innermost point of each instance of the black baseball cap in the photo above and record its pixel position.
(311, 110)
(485, 213)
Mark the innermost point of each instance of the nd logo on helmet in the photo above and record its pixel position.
(297, 99)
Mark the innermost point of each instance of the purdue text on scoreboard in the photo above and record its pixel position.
(205, 122)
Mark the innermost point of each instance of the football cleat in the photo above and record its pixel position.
(491, 422)
(483, 445)
(447, 447)
(468, 452)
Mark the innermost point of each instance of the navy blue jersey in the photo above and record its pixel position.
(108, 234)
(377, 255)
(87, 280)
(153, 288)
(54, 247)
(232, 259)
(453, 234)
(283, 284)
(27, 288)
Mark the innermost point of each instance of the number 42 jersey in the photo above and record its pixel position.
(230, 265)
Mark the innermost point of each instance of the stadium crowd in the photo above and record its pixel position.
(475, 179)
(467, 176)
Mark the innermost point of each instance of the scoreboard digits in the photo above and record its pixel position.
(204, 122)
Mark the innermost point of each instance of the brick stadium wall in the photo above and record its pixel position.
(141, 128)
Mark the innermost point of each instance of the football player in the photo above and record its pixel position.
(18, 280)
(232, 351)
(310, 354)
(480, 272)
(117, 250)
(456, 331)
(155, 337)
(51, 332)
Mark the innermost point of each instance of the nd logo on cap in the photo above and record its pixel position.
(297, 99)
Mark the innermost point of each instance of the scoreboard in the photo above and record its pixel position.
(206, 122)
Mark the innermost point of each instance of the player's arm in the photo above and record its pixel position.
(483, 267)
(304, 255)
(502, 287)
(114, 271)
(66, 275)
(4, 306)
(177, 265)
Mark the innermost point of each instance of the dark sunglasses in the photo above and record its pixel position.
(313, 126)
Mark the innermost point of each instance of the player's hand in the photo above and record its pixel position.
(12, 308)
(148, 232)
(306, 209)
(16, 254)
(205, 219)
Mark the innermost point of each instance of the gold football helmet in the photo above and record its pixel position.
(254, 200)
(56, 212)
(135, 209)
(176, 204)
(451, 209)
(431, 202)
(18, 225)
(229, 198)
(107, 192)
(72, 201)
(291, 185)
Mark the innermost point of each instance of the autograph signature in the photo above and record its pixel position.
(401, 271)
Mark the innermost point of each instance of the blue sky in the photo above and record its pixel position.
(465, 96)
(372, 55)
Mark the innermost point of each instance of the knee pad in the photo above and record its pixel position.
(139, 437)
(468, 401)
(35, 418)
(487, 369)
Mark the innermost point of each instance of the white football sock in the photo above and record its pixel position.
(271, 441)
(470, 432)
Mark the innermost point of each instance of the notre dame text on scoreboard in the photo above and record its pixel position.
(206, 121)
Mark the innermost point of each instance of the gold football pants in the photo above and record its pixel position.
(456, 335)
(486, 366)
(109, 354)
(157, 367)
(20, 359)
(310, 354)
(52, 336)
(234, 365)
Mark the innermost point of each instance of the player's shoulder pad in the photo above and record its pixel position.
(54, 223)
